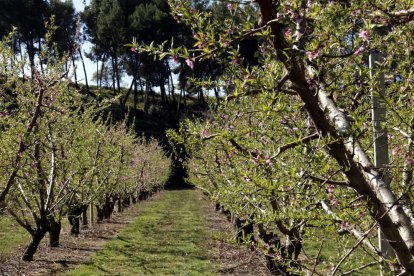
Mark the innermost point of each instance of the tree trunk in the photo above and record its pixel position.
(74, 72)
(120, 206)
(85, 215)
(99, 213)
(54, 232)
(108, 208)
(21, 58)
(37, 237)
(118, 82)
(333, 124)
(102, 70)
(74, 214)
(172, 88)
(84, 71)
(126, 202)
(163, 94)
(113, 74)
(125, 99)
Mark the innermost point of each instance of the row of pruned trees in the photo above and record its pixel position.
(60, 153)
(290, 153)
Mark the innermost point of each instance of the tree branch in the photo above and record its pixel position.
(291, 145)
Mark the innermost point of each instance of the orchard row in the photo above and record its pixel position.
(61, 153)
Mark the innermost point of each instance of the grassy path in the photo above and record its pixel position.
(166, 238)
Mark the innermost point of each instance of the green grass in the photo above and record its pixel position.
(166, 239)
(12, 235)
(334, 247)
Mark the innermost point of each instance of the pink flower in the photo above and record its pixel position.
(345, 224)
(356, 12)
(359, 50)
(3, 114)
(313, 54)
(175, 59)
(230, 6)
(287, 31)
(134, 49)
(269, 161)
(190, 63)
(409, 161)
(364, 35)
(395, 150)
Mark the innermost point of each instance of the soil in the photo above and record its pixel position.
(72, 251)
(232, 259)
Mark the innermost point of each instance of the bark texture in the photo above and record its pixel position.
(332, 123)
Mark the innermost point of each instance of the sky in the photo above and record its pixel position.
(90, 66)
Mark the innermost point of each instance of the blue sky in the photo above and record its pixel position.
(79, 4)
(90, 66)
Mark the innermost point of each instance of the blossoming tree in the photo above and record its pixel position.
(291, 149)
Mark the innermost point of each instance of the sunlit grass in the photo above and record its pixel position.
(12, 235)
(166, 239)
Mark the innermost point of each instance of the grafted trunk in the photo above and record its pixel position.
(272, 242)
(108, 208)
(85, 215)
(120, 205)
(37, 237)
(126, 202)
(99, 213)
(54, 232)
(74, 214)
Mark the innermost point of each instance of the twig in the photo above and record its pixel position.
(327, 181)
(316, 258)
(359, 268)
(294, 144)
(353, 248)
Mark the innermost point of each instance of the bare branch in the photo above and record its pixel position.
(362, 238)
(359, 268)
(304, 140)
(327, 181)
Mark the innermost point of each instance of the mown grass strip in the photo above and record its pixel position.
(166, 239)
(12, 235)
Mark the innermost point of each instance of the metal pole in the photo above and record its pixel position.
(381, 157)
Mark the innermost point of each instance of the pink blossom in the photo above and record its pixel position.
(3, 114)
(312, 54)
(356, 12)
(364, 34)
(287, 31)
(230, 6)
(134, 49)
(269, 161)
(358, 50)
(190, 63)
(175, 59)
(345, 224)
(395, 150)
(409, 161)
(204, 133)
